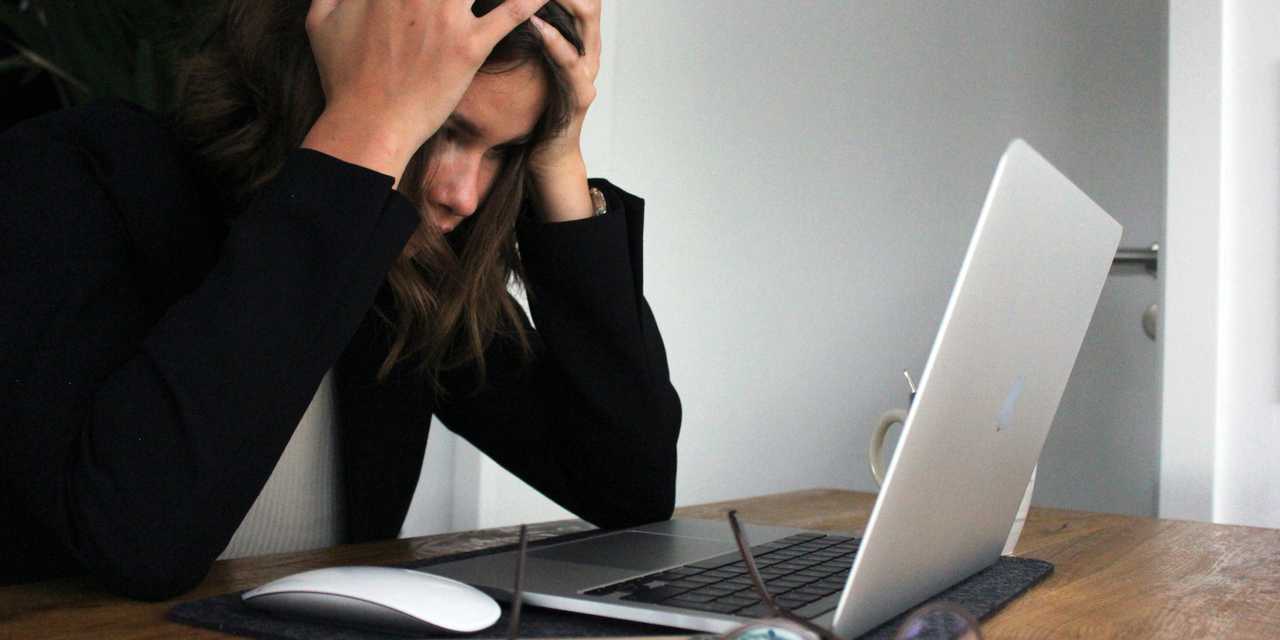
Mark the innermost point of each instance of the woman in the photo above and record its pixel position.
(350, 197)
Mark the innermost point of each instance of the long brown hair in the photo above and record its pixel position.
(251, 92)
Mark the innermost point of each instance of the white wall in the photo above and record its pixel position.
(1224, 466)
(1189, 262)
(1248, 443)
(813, 171)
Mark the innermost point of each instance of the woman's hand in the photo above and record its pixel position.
(393, 71)
(556, 166)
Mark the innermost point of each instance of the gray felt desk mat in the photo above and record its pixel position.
(982, 595)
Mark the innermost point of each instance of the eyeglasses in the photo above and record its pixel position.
(513, 627)
(936, 620)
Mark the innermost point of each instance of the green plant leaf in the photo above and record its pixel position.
(40, 62)
(71, 28)
(14, 63)
(26, 28)
(96, 49)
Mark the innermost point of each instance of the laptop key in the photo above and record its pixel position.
(792, 602)
(719, 589)
(620, 587)
(812, 593)
(713, 607)
(666, 576)
(818, 607)
(682, 571)
(790, 566)
(691, 596)
(785, 553)
(716, 562)
(655, 595)
(700, 579)
(722, 573)
(756, 611)
(796, 538)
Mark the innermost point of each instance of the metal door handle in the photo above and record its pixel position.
(1149, 258)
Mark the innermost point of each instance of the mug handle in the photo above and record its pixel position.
(875, 457)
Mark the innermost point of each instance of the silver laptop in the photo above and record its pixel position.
(989, 391)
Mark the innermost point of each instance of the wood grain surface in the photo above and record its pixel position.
(1116, 576)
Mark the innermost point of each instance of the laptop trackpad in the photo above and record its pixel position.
(634, 550)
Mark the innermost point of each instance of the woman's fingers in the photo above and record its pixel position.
(586, 14)
(392, 71)
(561, 50)
(580, 70)
(321, 9)
(585, 66)
(318, 13)
(504, 18)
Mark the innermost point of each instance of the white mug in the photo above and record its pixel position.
(875, 458)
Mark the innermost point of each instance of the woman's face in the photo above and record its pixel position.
(497, 113)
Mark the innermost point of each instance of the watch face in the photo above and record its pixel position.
(598, 204)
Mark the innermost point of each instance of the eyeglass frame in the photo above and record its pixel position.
(780, 613)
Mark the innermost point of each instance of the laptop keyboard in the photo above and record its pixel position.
(804, 572)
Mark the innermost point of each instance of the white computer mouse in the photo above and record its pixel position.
(388, 598)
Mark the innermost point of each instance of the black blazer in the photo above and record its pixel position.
(156, 354)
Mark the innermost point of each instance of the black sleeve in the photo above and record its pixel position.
(592, 421)
(138, 443)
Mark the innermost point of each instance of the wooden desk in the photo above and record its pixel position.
(1116, 576)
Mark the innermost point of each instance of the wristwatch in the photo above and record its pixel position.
(599, 206)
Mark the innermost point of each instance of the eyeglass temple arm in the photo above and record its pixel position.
(741, 538)
(517, 594)
(749, 560)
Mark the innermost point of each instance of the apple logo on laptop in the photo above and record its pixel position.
(1004, 417)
